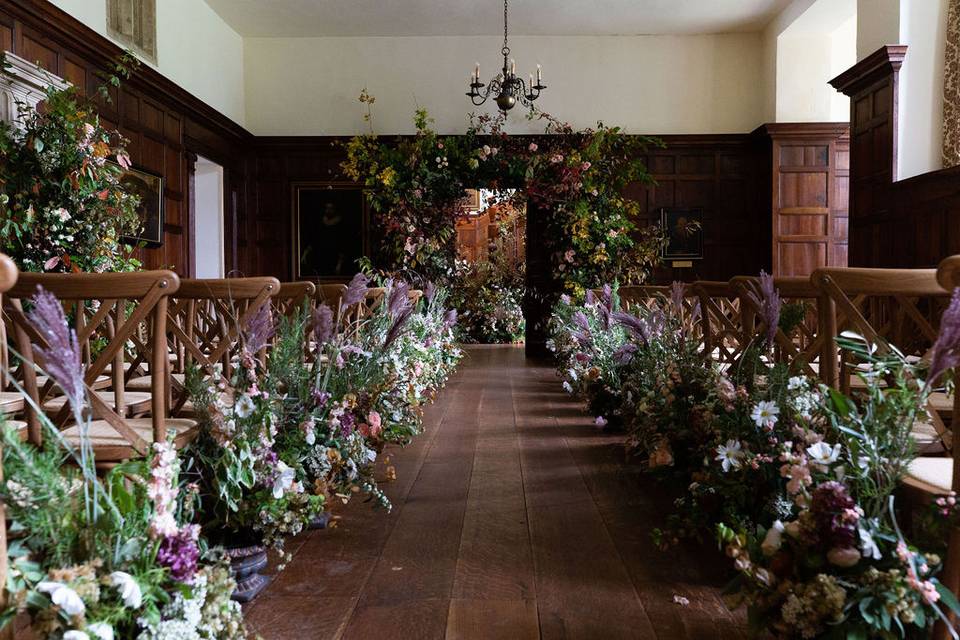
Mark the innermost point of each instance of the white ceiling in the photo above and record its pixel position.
(304, 18)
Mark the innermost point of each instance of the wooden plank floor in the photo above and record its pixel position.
(514, 517)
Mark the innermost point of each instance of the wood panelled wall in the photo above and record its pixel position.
(166, 125)
(893, 223)
(809, 169)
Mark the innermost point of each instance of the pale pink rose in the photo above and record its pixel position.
(373, 418)
(843, 557)
(533, 147)
(51, 263)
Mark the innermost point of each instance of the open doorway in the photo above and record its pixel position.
(491, 267)
(207, 220)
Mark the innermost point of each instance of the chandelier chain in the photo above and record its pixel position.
(506, 48)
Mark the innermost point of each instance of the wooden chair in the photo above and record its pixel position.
(206, 318)
(720, 317)
(8, 277)
(331, 295)
(938, 476)
(899, 307)
(800, 350)
(116, 315)
(292, 295)
(11, 402)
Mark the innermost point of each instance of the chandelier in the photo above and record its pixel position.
(506, 88)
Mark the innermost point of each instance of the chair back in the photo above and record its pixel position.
(117, 317)
(207, 318)
(900, 307)
(292, 295)
(8, 277)
(331, 295)
(800, 349)
(720, 318)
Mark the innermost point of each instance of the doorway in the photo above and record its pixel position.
(207, 219)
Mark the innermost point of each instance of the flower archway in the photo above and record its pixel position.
(581, 229)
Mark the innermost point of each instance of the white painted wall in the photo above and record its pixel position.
(647, 84)
(923, 28)
(195, 48)
(207, 223)
(878, 23)
(804, 47)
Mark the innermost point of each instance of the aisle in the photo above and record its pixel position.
(514, 517)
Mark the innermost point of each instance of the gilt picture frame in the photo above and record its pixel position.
(331, 230)
(149, 187)
(684, 230)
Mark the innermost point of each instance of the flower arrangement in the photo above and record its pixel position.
(62, 207)
(245, 486)
(116, 557)
(417, 187)
(796, 479)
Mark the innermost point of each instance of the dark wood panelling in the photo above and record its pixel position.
(872, 85)
(162, 121)
(809, 176)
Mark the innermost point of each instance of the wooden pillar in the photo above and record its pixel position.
(543, 290)
(872, 85)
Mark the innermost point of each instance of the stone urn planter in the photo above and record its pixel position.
(247, 559)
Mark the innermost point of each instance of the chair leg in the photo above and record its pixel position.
(950, 577)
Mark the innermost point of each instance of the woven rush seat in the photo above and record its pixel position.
(110, 446)
(931, 475)
(142, 383)
(11, 402)
(135, 402)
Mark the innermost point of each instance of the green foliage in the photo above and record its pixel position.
(62, 207)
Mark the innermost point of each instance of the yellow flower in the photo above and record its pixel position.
(388, 176)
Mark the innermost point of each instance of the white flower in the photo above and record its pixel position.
(796, 382)
(764, 414)
(729, 455)
(64, 597)
(61, 213)
(823, 453)
(572, 374)
(73, 634)
(244, 407)
(567, 387)
(129, 589)
(284, 479)
(773, 539)
(868, 545)
(101, 630)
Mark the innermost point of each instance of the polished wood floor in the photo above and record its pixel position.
(514, 517)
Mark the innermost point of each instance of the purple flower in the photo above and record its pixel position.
(450, 318)
(322, 324)
(590, 298)
(346, 424)
(61, 356)
(641, 329)
(946, 350)
(356, 291)
(396, 329)
(834, 512)
(399, 298)
(320, 398)
(580, 319)
(625, 353)
(180, 553)
(769, 304)
(429, 292)
(678, 291)
(259, 330)
(606, 297)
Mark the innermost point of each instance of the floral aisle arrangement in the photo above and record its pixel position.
(248, 492)
(117, 557)
(795, 478)
(62, 207)
(417, 188)
(488, 297)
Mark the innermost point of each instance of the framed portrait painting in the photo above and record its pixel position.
(148, 186)
(684, 231)
(330, 230)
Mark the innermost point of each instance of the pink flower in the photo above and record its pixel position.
(51, 263)
(123, 160)
(585, 166)
(373, 418)
(533, 147)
